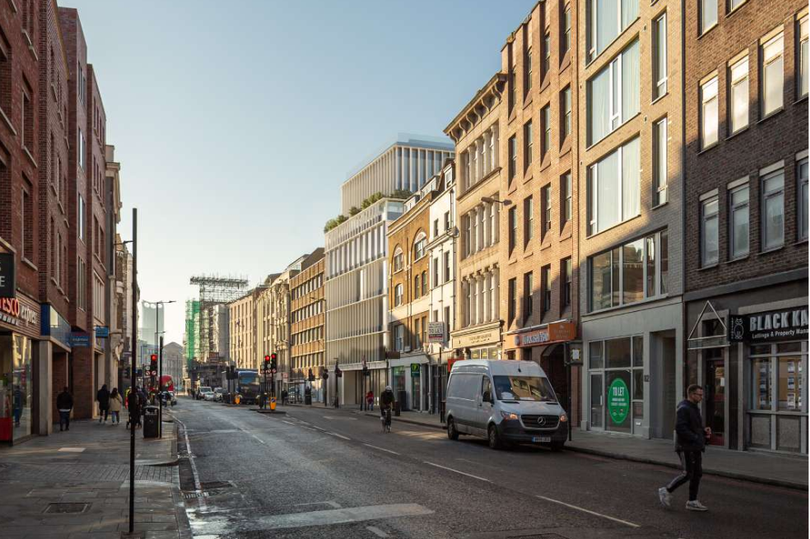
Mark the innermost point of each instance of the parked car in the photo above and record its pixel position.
(219, 394)
(505, 402)
(203, 391)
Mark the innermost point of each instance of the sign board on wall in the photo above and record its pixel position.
(435, 331)
(415, 370)
(784, 325)
(8, 276)
(552, 333)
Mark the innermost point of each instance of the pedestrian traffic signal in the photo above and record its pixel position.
(153, 367)
(266, 362)
(273, 362)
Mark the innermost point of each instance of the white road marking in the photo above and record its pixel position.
(320, 428)
(376, 531)
(260, 440)
(457, 471)
(72, 450)
(338, 435)
(330, 503)
(329, 517)
(381, 449)
(590, 512)
(288, 422)
(200, 499)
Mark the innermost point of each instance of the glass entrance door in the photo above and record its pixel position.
(715, 397)
(597, 401)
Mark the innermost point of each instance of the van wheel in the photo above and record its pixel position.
(494, 439)
(557, 446)
(452, 433)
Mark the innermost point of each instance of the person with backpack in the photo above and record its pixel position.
(115, 406)
(103, 398)
(64, 404)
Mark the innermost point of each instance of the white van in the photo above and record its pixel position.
(506, 402)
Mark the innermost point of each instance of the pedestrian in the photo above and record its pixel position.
(64, 404)
(690, 445)
(370, 400)
(284, 396)
(134, 408)
(103, 398)
(115, 406)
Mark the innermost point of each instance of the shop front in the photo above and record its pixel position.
(751, 359)
(479, 342)
(19, 335)
(52, 375)
(411, 376)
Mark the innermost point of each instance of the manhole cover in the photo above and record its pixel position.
(65, 508)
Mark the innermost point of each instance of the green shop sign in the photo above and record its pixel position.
(618, 401)
(415, 370)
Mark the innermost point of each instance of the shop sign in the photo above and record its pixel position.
(618, 401)
(102, 332)
(553, 333)
(415, 371)
(80, 339)
(784, 325)
(18, 313)
(476, 339)
(435, 331)
(8, 276)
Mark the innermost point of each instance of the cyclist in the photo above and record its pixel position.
(386, 405)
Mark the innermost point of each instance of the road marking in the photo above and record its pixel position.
(330, 503)
(376, 531)
(382, 449)
(329, 517)
(590, 512)
(339, 435)
(457, 471)
(72, 450)
(320, 428)
(288, 422)
(201, 499)
(260, 440)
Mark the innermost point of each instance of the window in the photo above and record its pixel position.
(27, 122)
(708, 96)
(527, 146)
(399, 339)
(738, 100)
(512, 157)
(545, 274)
(773, 210)
(447, 267)
(466, 223)
(81, 149)
(398, 295)
(606, 20)
(424, 282)
(804, 60)
(435, 272)
(565, 106)
(527, 66)
(567, 271)
(81, 283)
(397, 259)
(528, 221)
(419, 247)
(527, 296)
(546, 54)
(446, 221)
(512, 299)
(81, 218)
(738, 222)
(512, 228)
(709, 243)
(660, 162)
(801, 174)
(545, 197)
(734, 4)
(545, 117)
(566, 187)
(708, 14)
(628, 273)
(416, 286)
(447, 319)
(566, 33)
(27, 221)
(660, 56)
(613, 94)
(511, 82)
(772, 75)
(435, 228)
(613, 188)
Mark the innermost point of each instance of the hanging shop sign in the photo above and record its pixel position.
(783, 325)
(8, 276)
(102, 332)
(415, 370)
(618, 401)
(556, 332)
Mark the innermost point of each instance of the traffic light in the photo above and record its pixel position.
(153, 368)
(266, 362)
(273, 363)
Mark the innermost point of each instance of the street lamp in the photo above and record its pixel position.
(160, 361)
(490, 200)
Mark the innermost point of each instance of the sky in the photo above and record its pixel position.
(235, 123)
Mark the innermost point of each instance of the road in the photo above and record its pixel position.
(323, 473)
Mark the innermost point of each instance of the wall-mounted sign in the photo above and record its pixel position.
(80, 340)
(102, 332)
(553, 333)
(435, 331)
(618, 401)
(784, 325)
(491, 336)
(21, 313)
(415, 370)
(8, 276)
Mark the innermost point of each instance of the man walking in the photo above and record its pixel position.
(103, 398)
(690, 445)
(64, 404)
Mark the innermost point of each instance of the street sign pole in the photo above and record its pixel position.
(160, 388)
(132, 395)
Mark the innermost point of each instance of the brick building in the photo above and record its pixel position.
(308, 320)
(746, 220)
(539, 223)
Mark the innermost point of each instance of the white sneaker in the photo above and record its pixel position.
(695, 505)
(664, 496)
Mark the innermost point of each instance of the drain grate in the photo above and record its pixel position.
(66, 508)
(195, 495)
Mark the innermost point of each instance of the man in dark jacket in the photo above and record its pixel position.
(691, 442)
(103, 398)
(64, 404)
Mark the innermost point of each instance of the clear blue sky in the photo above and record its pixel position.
(236, 122)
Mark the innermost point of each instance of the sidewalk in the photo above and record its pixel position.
(75, 484)
(759, 467)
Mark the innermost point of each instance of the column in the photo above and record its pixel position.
(494, 147)
(496, 296)
(44, 383)
(481, 295)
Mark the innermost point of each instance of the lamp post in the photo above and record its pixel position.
(132, 395)
(159, 345)
(491, 200)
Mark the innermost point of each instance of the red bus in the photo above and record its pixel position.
(167, 383)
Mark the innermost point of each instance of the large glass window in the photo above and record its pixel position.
(633, 271)
(773, 212)
(606, 20)
(16, 385)
(773, 75)
(619, 365)
(613, 188)
(738, 100)
(613, 94)
(709, 243)
(708, 95)
(660, 56)
(738, 222)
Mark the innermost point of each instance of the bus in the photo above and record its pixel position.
(167, 383)
(247, 385)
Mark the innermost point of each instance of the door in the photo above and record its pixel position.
(484, 408)
(597, 401)
(715, 397)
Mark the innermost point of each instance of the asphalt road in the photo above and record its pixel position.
(322, 473)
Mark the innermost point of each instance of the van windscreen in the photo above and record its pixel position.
(524, 388)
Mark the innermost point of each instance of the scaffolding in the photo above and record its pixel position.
(214, 290)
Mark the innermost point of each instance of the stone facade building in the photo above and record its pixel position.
(308, 322)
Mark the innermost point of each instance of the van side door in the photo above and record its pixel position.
(483, 408)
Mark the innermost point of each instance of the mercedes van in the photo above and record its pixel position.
(506, 402)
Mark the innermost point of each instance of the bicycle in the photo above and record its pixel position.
(385, 419)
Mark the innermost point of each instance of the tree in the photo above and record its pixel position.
(401, 193)
(354, 210)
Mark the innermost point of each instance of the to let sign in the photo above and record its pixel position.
(8, 276)
(784, 325)
(435, 331)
